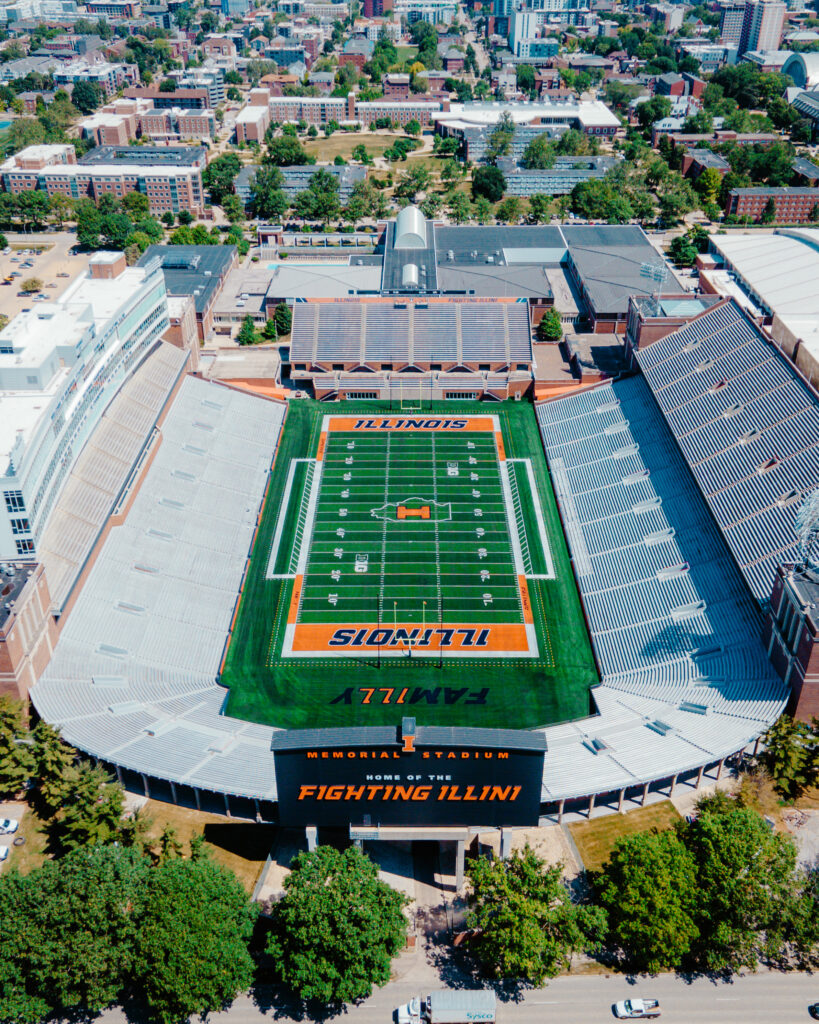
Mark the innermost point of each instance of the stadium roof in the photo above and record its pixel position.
(132, 679)
(780, 269)
(293, 280)
(609, 260)
(405, 333)
(748, 427)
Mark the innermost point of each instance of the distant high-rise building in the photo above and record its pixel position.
(375, 8)
(730, 24)
(762, 25)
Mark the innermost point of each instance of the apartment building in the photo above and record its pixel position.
(171, 178)
(114, 8)
(323, 109)
(791, 205)
(110, 78)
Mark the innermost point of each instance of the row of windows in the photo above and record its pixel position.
(24, 547)
(19, 526)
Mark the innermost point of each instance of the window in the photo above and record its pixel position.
(435, 366)
(484, 367)
(521, 366)
(358, 396)
(24, 547)
(386, 366)
(338, 366)
(19, 526)
(300, 366)
(14, 501)
(459, 396)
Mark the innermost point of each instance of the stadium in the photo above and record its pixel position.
(583, 582)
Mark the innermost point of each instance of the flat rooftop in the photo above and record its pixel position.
(195, 270)
(164, 156)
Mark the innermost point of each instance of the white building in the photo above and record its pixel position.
(60, 366)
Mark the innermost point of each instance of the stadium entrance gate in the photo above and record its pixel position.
(410, 782)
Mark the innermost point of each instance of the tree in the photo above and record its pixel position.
(488, 182)
(233, 209)
(683, 251)
(52, 761)
(16, 759)
(550, 328)
(336, 930)
(219, 175)
(708, 184)
(597, 199)
(649, 889)
(86, 97)
(283, 318)
(790, 756)
(185, 217)
(193, 940)
(115, 230)
(320, 199)
(482, 210)
(91, 812)
(459, 208)
(136, 205)
(500, 138)
(168, 85)
(247, 332)
(413, 181)
(168, 218)
(508, 211)
(525, 78)
(540, 208)
(31, 284)
(69, 940)
(526, 925)
(653, 110)
(745, 879)
(89, 225)
(285, 151)
(539, 154)
(413, 127)
(768, 215)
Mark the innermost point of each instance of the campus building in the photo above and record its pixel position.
(171, 178)
(791, 205)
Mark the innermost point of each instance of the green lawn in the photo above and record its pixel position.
(436, 562)
(595, 839)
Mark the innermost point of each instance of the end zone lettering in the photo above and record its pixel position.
(353, 636)
(410, 424)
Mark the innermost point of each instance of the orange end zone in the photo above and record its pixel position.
(321, 446)
(524, 600)
(499, 443)
(449, 638)
(419, 513)
(295, 598)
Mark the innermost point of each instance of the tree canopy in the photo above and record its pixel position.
(526, 925)
(337, 928)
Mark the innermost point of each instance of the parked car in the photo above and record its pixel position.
(63, 273)
(637, 1009)
(8, 825)
(4, 852)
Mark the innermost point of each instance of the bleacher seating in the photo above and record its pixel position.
(672, 625)
(748, 427)
(133, 678)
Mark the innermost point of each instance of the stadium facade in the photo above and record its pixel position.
(677, 486)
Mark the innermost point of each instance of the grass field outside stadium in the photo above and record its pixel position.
(409, 561)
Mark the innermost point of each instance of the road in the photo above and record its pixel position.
(762, 998)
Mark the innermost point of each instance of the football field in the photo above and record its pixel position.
(413, 560)
(410, 544)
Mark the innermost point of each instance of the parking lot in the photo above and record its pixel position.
(55, 266)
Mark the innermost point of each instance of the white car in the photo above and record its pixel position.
(8, 825)
(4, 852)
(637, 1009)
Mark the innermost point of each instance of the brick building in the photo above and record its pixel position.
(170, 178)
(791, 205)
(792, 636)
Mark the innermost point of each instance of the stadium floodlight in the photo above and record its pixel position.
(807, 530)
(658, 273)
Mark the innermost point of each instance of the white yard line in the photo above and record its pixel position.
(541, 523)
(277, 536)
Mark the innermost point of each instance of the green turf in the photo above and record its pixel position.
(433, 562)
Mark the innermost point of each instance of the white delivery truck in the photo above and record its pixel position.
(449, 1007)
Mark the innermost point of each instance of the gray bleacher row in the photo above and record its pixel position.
(684, 676)
(103, 468)
(133, 677)
(748, 427)
(382, 332)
